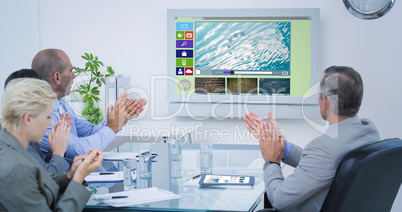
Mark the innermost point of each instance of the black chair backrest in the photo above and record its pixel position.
(368, 179)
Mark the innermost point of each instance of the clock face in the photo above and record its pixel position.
(368, 6)
(368, 9)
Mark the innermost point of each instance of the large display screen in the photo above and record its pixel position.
(243, 55)
(227, 62)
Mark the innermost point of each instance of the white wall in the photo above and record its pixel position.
(19, 36)
(131, 37)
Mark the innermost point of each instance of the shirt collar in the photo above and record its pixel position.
(345, 121)
(56, 105)
(331, 126)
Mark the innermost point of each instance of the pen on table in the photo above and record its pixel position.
(196, 176)
(119, 197)
(105, 173)
(112, 197)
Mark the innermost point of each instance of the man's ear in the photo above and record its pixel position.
(327, 103)
(56, 78)
(26, 119)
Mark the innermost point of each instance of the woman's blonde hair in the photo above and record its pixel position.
(22, 96)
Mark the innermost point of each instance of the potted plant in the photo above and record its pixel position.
(89, 88)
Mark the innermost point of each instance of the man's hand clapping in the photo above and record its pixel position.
(124, 110)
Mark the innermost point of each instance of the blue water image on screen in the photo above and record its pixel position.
(242, 45)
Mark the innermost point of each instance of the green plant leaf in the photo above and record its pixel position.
(87, 65)
(110, 70)
(96, 98)
(91, 102)
(89, 90)
(93, 114)
(94, 89)
(85, 99)
(85, 57)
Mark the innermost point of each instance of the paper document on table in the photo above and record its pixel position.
(136, 197)
(119, 156)
(195, 182)
(95, 177)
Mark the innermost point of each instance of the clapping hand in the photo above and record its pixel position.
(271, 139)
(134, 107)
(124, 110)
(272, 145)
(117, 115)
(83, 165)
(252, 124)
(58, 136)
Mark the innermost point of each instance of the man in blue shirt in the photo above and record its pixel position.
(55, 67)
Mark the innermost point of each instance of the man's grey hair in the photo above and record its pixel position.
(343, 86)
(47, 62)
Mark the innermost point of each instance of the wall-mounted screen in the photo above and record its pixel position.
(252, 56)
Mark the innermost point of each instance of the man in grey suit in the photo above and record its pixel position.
(340, 96)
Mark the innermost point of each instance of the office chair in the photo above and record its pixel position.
(367, 179)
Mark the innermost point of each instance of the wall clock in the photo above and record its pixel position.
(368, 9)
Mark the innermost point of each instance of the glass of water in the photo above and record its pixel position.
(144, 167)
(206, 160)
(129, 176)
(176, 142)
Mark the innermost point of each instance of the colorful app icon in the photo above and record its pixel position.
(188, 70)
(184, 53)
(188, 34)
(179, 70)
(180, 35)
(184, 62)
(184, 44)
(184, 25)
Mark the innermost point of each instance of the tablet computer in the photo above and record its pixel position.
(222, 180)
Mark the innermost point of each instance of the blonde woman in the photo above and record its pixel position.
(24, 184)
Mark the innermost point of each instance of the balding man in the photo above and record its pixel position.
(55, 67)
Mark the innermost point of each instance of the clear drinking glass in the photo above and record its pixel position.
(176, 142)
(206, 160)
(129, 179)
(144, 167)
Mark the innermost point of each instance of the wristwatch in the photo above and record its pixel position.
(269, 163)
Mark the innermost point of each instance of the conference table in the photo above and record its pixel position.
(172, 175)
